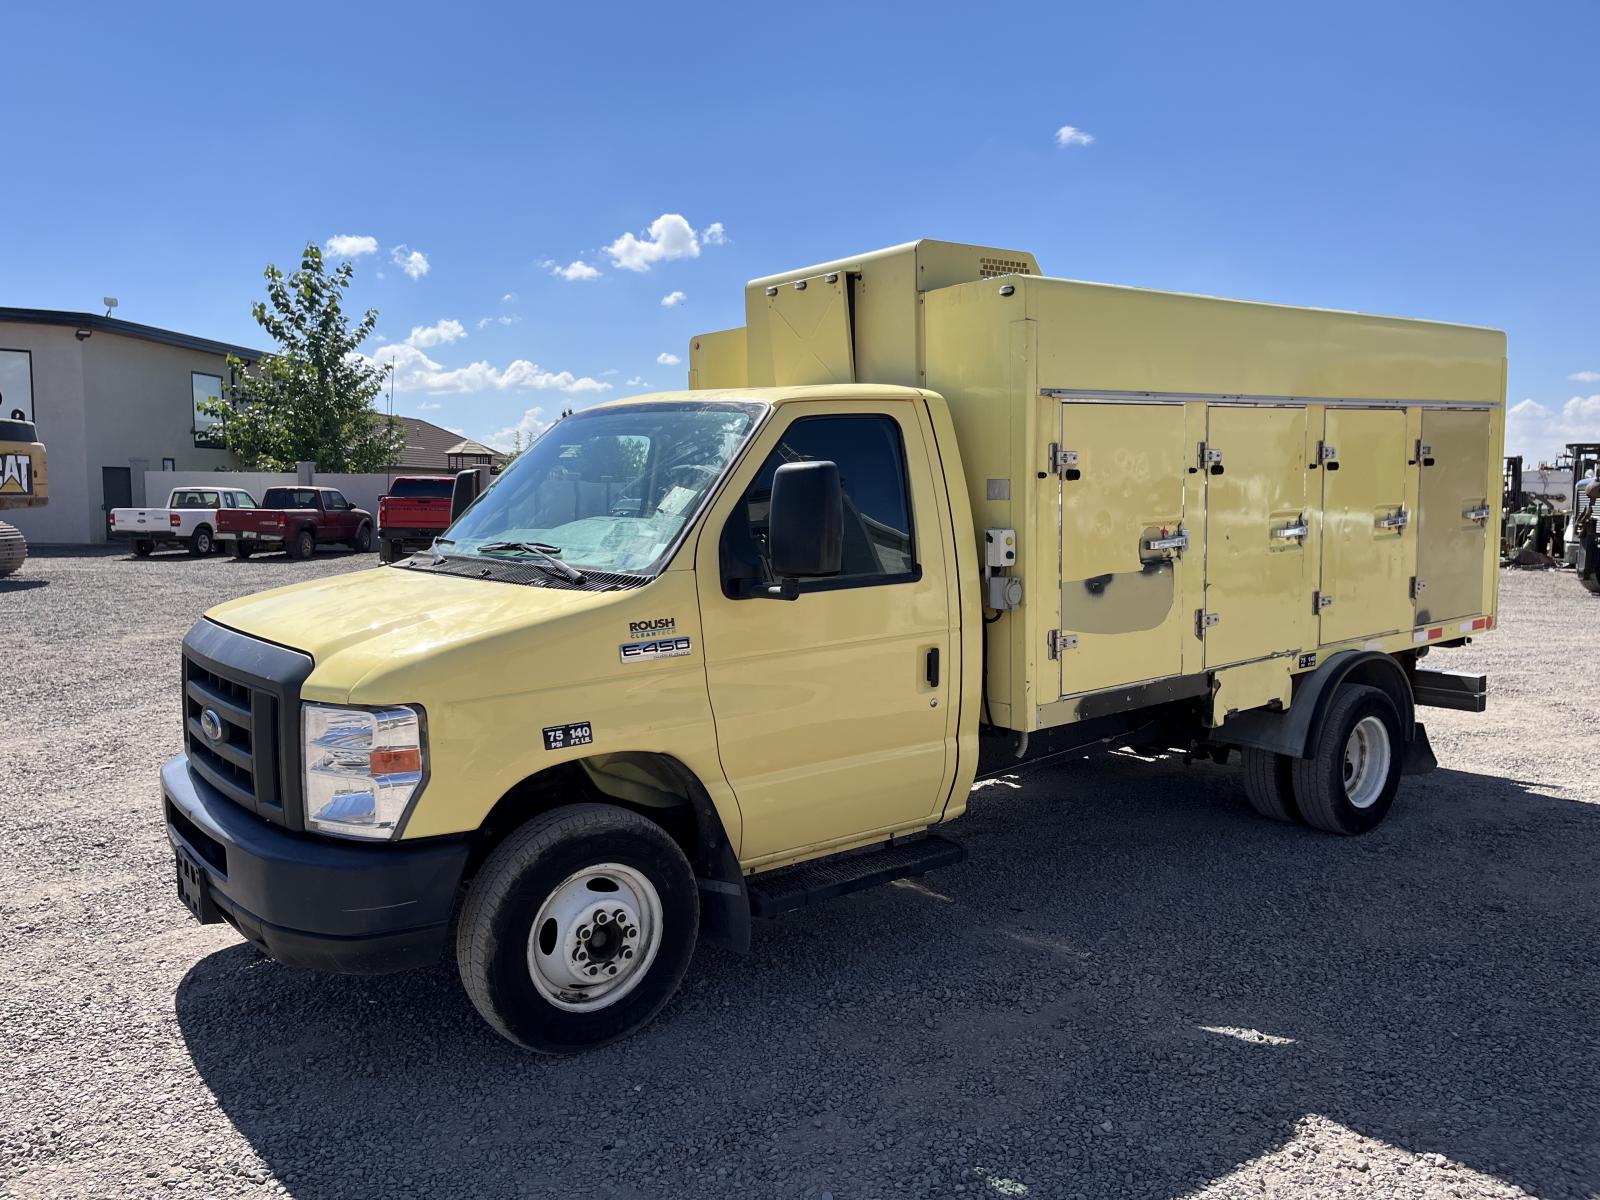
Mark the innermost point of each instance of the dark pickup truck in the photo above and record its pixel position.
(298, 519)
(414, 512)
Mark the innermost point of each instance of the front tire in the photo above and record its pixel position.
(1349, 783)
(578, 928)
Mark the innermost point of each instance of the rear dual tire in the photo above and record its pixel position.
(578, 928)
(1349, 783)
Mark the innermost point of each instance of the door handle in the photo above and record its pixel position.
(1398, 520)
(1292, 532)
(933, 667)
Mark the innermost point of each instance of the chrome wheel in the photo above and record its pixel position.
(595, 937)
(1366, 762)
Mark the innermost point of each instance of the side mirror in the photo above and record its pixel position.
(805, 524)
(463, 494)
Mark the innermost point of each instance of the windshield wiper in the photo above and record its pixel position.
(545, 554)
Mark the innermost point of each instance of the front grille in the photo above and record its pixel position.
(232, 762)
(247, 692)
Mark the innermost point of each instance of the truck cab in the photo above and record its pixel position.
(697, 658)
(297, 519)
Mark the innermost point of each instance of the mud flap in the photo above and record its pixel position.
(1418, 758)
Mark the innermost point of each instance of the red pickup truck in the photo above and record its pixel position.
(298, 519)
(415, 511)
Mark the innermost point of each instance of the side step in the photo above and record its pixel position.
(824, 878)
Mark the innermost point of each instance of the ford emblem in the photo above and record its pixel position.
(211, 725)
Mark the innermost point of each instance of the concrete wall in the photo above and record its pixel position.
(107, 401)
(361, 490)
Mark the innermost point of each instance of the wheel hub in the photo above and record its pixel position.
(1366, 762)
(594, 937)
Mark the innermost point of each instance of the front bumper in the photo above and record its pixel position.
(309, 902)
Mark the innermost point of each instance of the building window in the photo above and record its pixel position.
(207, 428)
(169, 464)
(16, 385)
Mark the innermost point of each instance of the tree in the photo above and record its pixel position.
(311, 401)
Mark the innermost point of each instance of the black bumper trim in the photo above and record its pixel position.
(313, 903)
(407, 534)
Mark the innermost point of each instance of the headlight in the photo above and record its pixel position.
(362, 768)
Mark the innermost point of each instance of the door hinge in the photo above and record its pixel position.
(1204, 621)
(1417, 586)
(1320, 601)
(1210, 456)
(1062, 642)
(1423, 450)
(1326, 453)
(1062, 461)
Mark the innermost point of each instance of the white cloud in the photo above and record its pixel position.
(509, 319)
(575, 271)
(637, 381)
(673, 299)
(530, 427)
(1539, 433)
(413, 262)
(426, 407)
(715, 234)
(508, 298)
(669, 237)
(611, 371)
(1071, 135)
(414, 371)
(668, 360)
(1585, 377)
(438, 334)
(350, 245)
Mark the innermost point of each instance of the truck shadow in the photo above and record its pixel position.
(1132, 987)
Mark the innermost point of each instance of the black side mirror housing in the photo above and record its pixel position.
(463, 494)
(805, 524)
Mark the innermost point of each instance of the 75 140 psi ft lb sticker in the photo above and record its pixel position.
(559, 737)
(672, 647)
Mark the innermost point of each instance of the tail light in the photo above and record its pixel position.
(113, 520)
(173, 519)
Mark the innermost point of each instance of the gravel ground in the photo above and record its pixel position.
(1133, 988)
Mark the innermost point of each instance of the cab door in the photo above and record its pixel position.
(833, 711)
(1366, 584)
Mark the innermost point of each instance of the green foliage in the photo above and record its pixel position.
(311, 401)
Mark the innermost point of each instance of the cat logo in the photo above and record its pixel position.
(16, 475)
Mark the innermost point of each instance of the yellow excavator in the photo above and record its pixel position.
(24, 483)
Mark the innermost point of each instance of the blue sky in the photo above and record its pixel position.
(1434, 160)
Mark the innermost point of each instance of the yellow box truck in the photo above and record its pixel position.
(706, 656)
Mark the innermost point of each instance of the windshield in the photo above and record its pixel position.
(610, 488)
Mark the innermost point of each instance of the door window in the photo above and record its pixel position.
(334, 501)
(879, 546)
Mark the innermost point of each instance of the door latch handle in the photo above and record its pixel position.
(933, 667)
(1397, 520)
(1292, 531)
(1178, 542)
(1477, 514)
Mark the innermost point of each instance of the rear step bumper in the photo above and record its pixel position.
(1451, 689)
(824, 878)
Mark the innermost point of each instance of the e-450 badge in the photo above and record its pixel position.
(672, 647)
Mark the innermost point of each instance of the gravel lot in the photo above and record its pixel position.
(1134, 987)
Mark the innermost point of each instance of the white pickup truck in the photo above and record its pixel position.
(190, 519)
